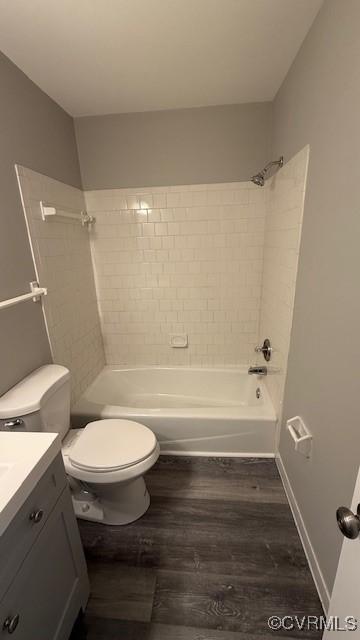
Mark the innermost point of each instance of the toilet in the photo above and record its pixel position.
(105, 461)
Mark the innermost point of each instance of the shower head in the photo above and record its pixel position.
(259, 178)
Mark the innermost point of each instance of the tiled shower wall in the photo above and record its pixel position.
(62, 259)
(177, 260)
(286, 193)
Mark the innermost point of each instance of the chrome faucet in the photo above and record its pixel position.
(258, 371)
(265, 349)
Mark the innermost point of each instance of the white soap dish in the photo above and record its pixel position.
(179, 340)
(300, 435)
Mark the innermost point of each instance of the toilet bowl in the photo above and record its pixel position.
(106, 462)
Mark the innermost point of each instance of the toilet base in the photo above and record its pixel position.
(113, 504)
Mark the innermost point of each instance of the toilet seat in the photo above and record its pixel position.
(111, 445)
(109, 451)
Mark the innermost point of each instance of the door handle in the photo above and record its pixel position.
(348, 522)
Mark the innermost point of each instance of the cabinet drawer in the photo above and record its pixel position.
(29, 521)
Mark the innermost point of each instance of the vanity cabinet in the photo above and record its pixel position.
(43, 582)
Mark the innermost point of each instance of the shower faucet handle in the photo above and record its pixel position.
(265, 349)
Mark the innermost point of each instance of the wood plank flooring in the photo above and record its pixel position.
(216, 555)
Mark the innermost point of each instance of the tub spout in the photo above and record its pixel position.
(258, 371)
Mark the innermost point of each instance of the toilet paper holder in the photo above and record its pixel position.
(301, 435)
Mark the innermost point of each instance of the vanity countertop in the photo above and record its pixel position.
(24, 458)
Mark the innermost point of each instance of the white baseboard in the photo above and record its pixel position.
(317, 575)
(214, 454)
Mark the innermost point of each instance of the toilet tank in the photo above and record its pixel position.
(40, 402)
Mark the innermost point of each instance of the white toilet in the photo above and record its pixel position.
(105, 461)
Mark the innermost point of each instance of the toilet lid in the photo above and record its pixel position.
(109, 445)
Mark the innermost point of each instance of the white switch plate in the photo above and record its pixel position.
(179, 340)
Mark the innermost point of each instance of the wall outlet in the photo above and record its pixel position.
(179, 340)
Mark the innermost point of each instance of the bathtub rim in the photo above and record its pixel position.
(265, 411)
(85, 411)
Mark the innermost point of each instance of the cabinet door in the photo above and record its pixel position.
(51, 585)
(21, 534)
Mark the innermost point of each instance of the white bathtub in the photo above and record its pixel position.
(197, 411)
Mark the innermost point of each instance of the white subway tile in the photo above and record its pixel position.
(200, 253)
(281, 244)
(63, 261)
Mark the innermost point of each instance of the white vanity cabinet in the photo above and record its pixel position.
(43, 575)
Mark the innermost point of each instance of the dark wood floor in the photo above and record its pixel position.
(216, 555)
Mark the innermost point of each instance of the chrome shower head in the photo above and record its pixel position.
(259, 178)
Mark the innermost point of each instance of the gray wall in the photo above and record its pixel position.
(37, 133)
(185, 146)
(319, 104)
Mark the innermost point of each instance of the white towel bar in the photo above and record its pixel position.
(35, 294)
(51, 211)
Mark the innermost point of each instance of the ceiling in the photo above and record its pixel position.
(115, 56)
